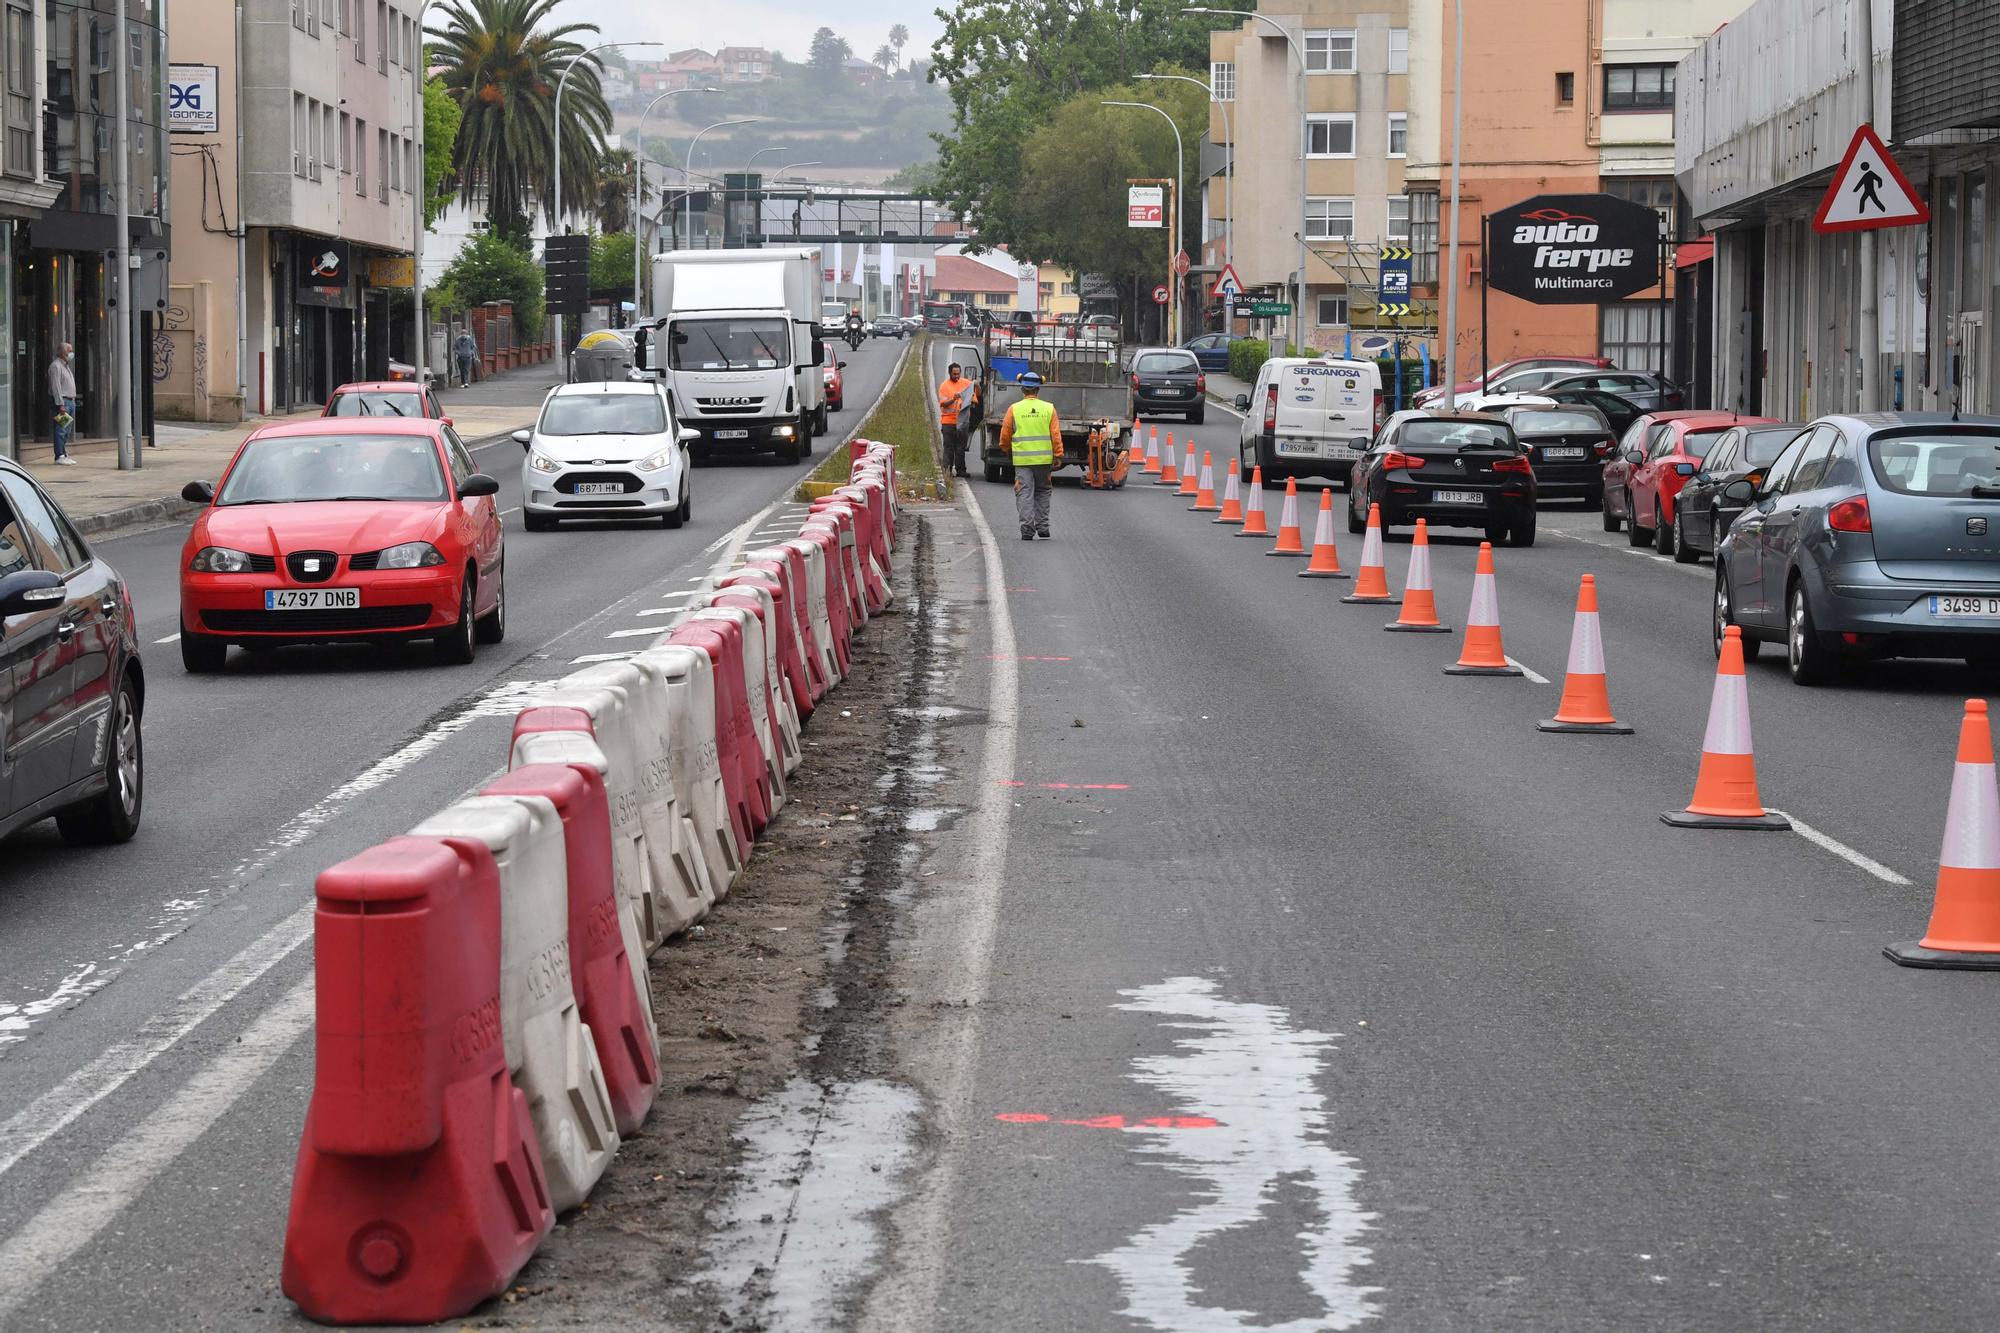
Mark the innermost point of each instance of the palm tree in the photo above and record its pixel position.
(614, 188)
(899, 37)
(885, 56)
(501, 66)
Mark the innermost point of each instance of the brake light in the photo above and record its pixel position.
(1409, 462)
(1603, 448)
(1517, 463)
(1271, 409)
(1200, 382)
(1850, 516)
(1379, 418)
(1135, 379)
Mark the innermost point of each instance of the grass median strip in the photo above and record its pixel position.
(902, 418)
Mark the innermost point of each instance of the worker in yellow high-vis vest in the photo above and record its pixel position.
(1031, 434)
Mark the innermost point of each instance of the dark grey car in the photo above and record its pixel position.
(1870, 536)
(1168, 379)
(1642, 389)
(71, 686)
(1701, 512)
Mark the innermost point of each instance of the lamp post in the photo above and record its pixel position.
(561, 347)
(1174, 243)
(420, 75)
(687, 170)
(639, 190)
(1450, 275)
(1228, 160)
(1298, 308)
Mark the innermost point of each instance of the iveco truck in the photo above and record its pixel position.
(735, 336)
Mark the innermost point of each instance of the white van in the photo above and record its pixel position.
(1309, 417)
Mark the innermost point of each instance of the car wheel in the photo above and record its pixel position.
(992, 472)
(1611, 520)
(1683, 553)
(457, 646)
(835, 405)
(1496, 533)
(1663, 535)
(492, 627)
(1523, 532)
(202, 654)
(113, 814)
(1634, 534)
(1196, 417)
(1810, 662)
(534, 522)
(788, 452)
(1723, 617)
(687, 504)
(1356, 523)
(673, 518)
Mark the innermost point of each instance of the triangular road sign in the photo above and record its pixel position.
(1869, 190)
(1227, 284)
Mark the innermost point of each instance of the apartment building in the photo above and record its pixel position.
(295, 211)
(1356, 114)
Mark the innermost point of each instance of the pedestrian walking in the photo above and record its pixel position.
(956, 398)
(1032, 435)
(62, 394)
(466, 351)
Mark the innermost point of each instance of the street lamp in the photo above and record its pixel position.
(1298, 309)
(789, 166)
(687, 170)
(562, 83)
(1228, 161)
(1174, 243)
(639, 189)
(419, 202)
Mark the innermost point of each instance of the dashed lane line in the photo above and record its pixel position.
(1844, 852)
(1527, 671)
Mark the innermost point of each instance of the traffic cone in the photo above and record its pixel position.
(1254, 524)
(1152, 467)
(1204, 496)
(1965, 916)
(1232, 496)
(1586, 703)
(1483, 655)
(1169, 474)
(1420, 614)
(1372, 583)
(1290, 540)
(1189, 484)
(1326, 556)
(1725, 790)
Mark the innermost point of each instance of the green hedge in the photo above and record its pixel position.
(1248, 355)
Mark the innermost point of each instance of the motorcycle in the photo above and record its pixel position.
(856, 335)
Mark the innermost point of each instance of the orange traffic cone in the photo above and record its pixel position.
(1254, 524)
(1483, 655)
(1965, 916)
(1420, 613)
(1725, 790)
(1326, 557)
(1189, 483)
(1290, 540)
(1204, 496)
(1152, 467)
(1169, 474)
(1232, 496)
(1372, 583)
(1586, 703)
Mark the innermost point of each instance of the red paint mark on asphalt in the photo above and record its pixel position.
(1113, 1121)
(1069, 786)
(1022, 1118)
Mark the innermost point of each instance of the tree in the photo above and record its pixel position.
(502, 68)
(885, 56)
(441, 121)
(611, 262)
(492, 268)
(899, 37)
(614, 190)
(829, 52)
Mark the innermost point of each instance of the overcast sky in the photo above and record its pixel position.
(785, 25)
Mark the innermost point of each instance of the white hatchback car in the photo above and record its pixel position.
(606, 450)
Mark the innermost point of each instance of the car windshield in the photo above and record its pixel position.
(1946, 462)
(376, 404)
(1438, 434)
(603, 414)
(1164, 363)
(728, 344)
(1697, 443)
(1762, 447)
(293, 468)
(1549, 423)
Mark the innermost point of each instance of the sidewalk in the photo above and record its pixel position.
(1223, 387)
(100, 499)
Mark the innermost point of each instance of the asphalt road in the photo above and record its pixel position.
(1449, 1030)
(154, 997)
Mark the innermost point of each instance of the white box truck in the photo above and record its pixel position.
(735, 335)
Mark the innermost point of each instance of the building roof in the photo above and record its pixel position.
(956, 273)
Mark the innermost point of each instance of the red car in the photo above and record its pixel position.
(337, 529)
(830, 376)
(385, 398)
(1425, 397)
(1660, 451)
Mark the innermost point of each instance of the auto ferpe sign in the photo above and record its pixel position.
(1573, 249)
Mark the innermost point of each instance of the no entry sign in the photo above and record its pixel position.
(1573, 249)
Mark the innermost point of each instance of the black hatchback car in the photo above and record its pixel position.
(1451, 469)
(1169, 379)
(71, 686)
(1702, 513)
(1566, 447)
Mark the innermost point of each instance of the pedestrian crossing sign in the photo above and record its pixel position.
(1869, 190)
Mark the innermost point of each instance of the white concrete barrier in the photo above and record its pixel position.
(679, 874)
(697, 761)
(549, 1052)
(785, 718)
(817, 591)
(791, 571)
(843, 526)
(757, 685)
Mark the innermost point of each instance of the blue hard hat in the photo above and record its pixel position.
(1030, 379)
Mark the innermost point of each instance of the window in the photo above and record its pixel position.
(1330, 136)
(996, 298)
(361, 157)
(1329, 219)
(1424, 236)
(1638, 87)
(341, 143)
(360, 26)
(1399, 134)
(1813, 465)
(1631, 333)
(1399, 218)
(382, 165)
(1069, 289)
(1399, 50)
(392, 38)
(49, 547)
(300, 135)
(381, 36)
(20, 37)
(1655, 192)
(410, 165)
(1566, 89)
(396, 162)
(1332, 311)
(1330, 52)
(299, 14)
(1222, 77)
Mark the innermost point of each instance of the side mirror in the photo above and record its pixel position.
(639, 344)
(29, 590)
(1635, 456)
(478, 484)
(1740, 492)
(1242, 402)
(1684, 469)
(819, 349)
(523, 438)
(688, 435)
(198, 492)
(446, 420)
(841, 364)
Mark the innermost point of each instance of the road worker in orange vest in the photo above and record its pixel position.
(957, 398)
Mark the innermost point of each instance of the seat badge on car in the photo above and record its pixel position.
(1975, 527)
(310, 566)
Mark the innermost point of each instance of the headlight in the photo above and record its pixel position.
(410, 555)
(219, 560)
(782, 431)
(543, 463)
(654, 462)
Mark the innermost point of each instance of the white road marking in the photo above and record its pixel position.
(588, 658)
(1844, 852)
(664, 610)
(638, 633)
(71, 1220)
(1528, 671)
(175, 637)
(1247, 1066)
(514, 510)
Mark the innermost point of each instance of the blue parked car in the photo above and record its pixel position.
(1869, 536)
(1211, 349)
